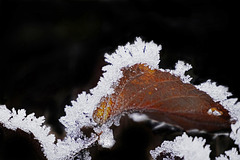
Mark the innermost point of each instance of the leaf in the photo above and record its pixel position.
(163, 97)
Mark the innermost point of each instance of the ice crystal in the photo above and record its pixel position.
(180, 69)
(184, 147)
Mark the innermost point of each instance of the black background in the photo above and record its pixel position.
(53, 50)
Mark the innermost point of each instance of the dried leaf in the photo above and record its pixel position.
(163, 97)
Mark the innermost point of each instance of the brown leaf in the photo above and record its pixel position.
(163, 97)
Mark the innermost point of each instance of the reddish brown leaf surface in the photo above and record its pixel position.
(163, 97)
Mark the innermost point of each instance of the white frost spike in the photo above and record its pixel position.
(180, 69)
(184, 147)
(218, 93)
(139, 52)
(79, 115)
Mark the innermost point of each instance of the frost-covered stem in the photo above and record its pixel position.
(79, 115)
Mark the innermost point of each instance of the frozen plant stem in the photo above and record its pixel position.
(90, 110)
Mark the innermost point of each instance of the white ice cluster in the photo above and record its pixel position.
(79, 115)
(184, 147)
(180, 69)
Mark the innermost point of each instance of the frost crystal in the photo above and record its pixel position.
(180, 69)
(79, 115)
(184, 147)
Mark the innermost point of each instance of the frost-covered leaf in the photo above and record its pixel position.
(163, 97)
(121, 86)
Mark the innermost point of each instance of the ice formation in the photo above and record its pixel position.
(184, 147)
(79, 115)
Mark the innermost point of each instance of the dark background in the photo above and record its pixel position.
(51, 50)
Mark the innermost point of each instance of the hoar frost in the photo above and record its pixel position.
(79, 115)
(184, 147)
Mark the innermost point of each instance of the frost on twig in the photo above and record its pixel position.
(79, 114)
(30, 124)
(184, 147)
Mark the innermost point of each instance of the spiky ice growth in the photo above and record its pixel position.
(185, 147)
(63, 149)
